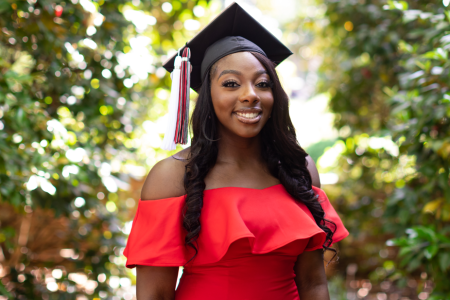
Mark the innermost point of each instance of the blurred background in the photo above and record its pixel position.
(83, 99)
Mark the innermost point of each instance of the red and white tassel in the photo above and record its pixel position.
(178, 116)
(181, 132)
(169, 136)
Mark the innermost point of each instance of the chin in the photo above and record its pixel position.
(248, 136)
(248, 133)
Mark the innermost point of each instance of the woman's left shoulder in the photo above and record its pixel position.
(311, 165)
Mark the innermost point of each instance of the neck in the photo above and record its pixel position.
(238, 150)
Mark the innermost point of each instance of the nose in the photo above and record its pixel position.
(248, 94)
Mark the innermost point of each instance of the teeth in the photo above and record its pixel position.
(248, 115)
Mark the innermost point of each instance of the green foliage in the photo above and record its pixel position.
(71, 104)
(389, 77)
(316, 150)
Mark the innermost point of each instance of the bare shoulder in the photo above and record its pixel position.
(165, 179)
(313, 171)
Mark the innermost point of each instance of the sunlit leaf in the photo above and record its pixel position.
(432, 206)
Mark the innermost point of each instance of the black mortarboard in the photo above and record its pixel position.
(234, 30)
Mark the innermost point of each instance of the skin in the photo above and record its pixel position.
(239, 83)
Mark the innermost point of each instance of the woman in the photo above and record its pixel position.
(237, 209)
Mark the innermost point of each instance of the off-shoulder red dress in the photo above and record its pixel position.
(247, 247)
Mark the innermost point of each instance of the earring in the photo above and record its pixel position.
(209, 116)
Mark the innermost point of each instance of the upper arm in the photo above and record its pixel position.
(313, 171)
(156, 283)
(310, 275)
(165, 180)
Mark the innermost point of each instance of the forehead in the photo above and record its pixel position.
(241, 61)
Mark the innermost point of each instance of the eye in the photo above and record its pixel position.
(265, 84)
(230, 83)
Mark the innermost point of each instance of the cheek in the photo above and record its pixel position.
(223, 106)
(267, 102)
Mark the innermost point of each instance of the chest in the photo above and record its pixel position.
(255, 177)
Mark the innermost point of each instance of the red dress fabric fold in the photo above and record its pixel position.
(246, 234)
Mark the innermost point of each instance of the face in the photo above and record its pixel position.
(241, 94)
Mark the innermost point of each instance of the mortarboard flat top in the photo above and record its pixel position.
(232, 22)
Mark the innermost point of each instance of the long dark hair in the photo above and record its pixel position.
(286, 160)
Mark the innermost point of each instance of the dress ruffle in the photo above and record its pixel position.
(269, 218)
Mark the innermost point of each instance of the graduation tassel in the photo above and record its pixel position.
(169, 136)
(181, 132)
(187, 93)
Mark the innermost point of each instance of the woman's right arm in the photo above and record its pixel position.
(156, 283)
(165, 180)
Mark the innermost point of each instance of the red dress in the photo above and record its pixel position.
(247, 247)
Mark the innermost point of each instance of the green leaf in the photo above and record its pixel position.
(442, 54)
(398, 242)
(438, 53)
(20, 114)
(401, 5)
(431, 251)
(4, 291)
(404, 250)
(415, 263)
(446, 98)
(443, 238)
(4, 6)
(444, 261)
(425, 233)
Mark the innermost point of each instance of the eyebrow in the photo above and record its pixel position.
(229, 72)
(261, 72)
(239, 73)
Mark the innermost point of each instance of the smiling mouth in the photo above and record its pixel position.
(248, 117)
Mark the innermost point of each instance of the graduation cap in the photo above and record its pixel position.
(234, 30)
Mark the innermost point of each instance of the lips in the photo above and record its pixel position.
(250, 116)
